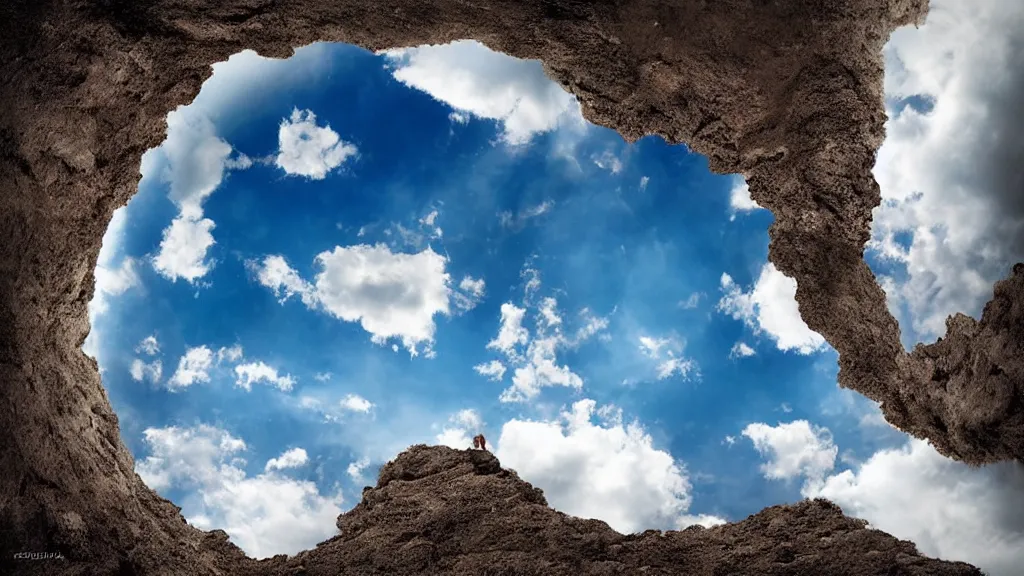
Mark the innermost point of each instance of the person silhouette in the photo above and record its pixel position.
(480, 442)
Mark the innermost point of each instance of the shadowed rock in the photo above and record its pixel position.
(438, 510)
(786, 93)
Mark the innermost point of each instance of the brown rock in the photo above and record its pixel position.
(787, 93)
(438, 510)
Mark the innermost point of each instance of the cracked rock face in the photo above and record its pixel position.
(786, 93)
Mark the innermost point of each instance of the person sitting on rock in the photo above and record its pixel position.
(479, 442)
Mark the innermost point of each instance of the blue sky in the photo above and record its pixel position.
(339, 255)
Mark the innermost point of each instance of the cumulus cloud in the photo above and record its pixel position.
(183, 249)
(462, 424)
(264, 515)
(493, 370)
(230, 353)
(355, 469)
(275, 273)
(146, 370)
(474, 80)
(948, 509)
(195, 161)
(741, 350)
(469, 294)
(533, 358)
(606, 469)
(356, 403)
(194, 366)
(306, 149)
(511, 334)
(114, 275)
(643, 182)
(149, 346)
(771, 307)
(666, 353)
(794, 449)
(951, 168)
(290, 459)
(252, 372)
(391, 295)
(739, 197)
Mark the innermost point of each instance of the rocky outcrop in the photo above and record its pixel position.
(438, 510)
(787, 93)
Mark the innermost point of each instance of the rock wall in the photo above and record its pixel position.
(786, 93)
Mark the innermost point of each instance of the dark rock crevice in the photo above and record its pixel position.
(786, 93)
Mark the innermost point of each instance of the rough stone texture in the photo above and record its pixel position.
(438, 510)
(787, 93)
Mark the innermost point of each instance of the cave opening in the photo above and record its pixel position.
(89, 91)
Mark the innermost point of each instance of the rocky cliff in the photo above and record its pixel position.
(786, 93)
(438, 510)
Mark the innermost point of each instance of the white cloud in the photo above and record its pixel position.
(643, 182)
(741, 350)
(511, 333)
(472, 79)
(149, 346)
(195, 161)
(231, 354)
(355, 469)
(605, 470)
(948, 509)
(457, 438)
(469, 294)
(193, 367)
(771, 306)
(275, 273)
(252, 372)
(950, 168)
(493, 370)
(265, 515)
(794, 449)
(459, 117)
(305, 149)
(739, 197)
(151, 371)
(537, 366)
(183, 249)
(391, 295)
(113, 275)
(113, 282)
(289, 459)
(462, 424)
(356, 403)
(468, 418)
(430, 218)
(666, 353)
(322, 376)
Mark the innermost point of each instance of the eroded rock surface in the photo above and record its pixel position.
(438, 510)
(787, 93)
